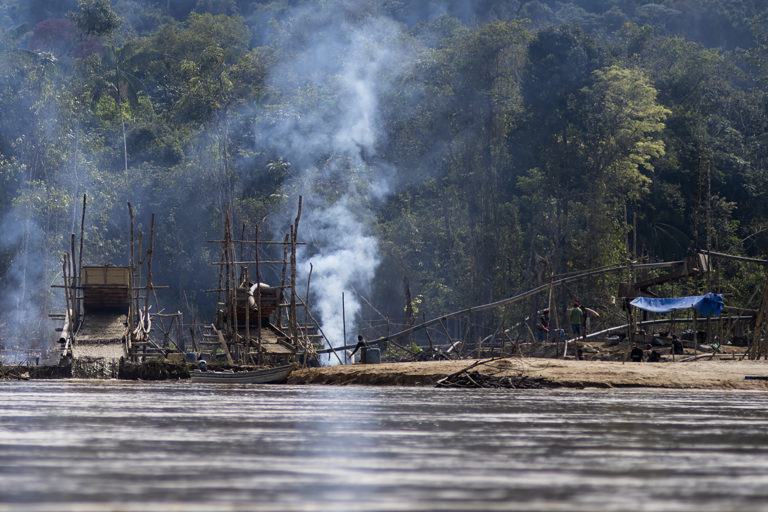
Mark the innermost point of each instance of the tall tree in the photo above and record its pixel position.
(113, 75)
(95, 18)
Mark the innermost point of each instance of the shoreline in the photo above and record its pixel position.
(701, 374)
(704, 374)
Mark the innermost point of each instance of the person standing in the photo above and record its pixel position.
(543, 325)
(361, 345)
(576, 314)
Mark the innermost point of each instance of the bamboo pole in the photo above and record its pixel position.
(65, 263)
(737, 258)
(709, 239)
(80, 260)
(281, 295)
(242, 246)
(294, 238)
(344, 324)
(235, 284)
(426, 331)
(698, 205)
(261, 242)
(248, 327)
(131, 309)
(306, 315)
(227, 282)
(248, 262)
(149, 267)
(73, 274)
(258, 288)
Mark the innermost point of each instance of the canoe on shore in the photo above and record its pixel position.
(260, 376)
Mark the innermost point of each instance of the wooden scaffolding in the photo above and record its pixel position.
(258, 323)
(108, 304)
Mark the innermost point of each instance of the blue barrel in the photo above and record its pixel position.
(371, 356)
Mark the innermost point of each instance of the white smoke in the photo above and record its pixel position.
(20, 291)
(332, 146)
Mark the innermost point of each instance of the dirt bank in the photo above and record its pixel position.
(701, 374)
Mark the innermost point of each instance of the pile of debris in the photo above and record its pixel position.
(480, 380)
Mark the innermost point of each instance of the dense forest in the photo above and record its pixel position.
(449, 153)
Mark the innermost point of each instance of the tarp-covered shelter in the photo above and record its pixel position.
(710, 304)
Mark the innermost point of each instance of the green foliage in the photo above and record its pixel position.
(95, 18)
(519, 132)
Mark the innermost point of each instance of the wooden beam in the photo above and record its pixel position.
(223, 343)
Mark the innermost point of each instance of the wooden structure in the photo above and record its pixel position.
(759, 346)
(692, 266)
(258, 323)
(697, 264)
(106, 307)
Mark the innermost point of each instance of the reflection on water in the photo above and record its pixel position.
(84, 445)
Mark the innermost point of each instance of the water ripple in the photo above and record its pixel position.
(111, 445)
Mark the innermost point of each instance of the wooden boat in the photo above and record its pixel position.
(260, 376)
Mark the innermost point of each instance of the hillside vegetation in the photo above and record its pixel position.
(448, 153)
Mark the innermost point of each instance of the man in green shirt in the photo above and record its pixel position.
(575, 315)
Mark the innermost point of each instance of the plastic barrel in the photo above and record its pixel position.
(371, 356)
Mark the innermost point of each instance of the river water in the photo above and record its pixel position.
(176, 446)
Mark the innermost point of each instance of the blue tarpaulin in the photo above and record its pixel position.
(710, 304)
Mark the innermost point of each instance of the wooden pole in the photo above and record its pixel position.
(65, 266)
(696, 210)
(317, 324)
(426, 331)
(344, 323)
(73, 274)
(758, 346)
(634, 235)
(242, 246)
(233, 277)
(466, 330)
(294, 238)
(220, 288)
(132, 272)
(626, 244)
(695, 333)
(306, 314)
(709, 239)
(80, 260)
(227, 271)
(281, 294)
(149, 266)
(292, 325)
(258, 287)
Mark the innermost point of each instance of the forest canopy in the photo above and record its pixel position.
(448, 153)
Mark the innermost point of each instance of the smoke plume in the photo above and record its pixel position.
(332, 146)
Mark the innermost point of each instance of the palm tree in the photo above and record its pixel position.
(116, 79)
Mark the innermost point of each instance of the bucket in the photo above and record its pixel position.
(371, 356)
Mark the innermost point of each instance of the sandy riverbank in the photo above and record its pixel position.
(701, 374)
